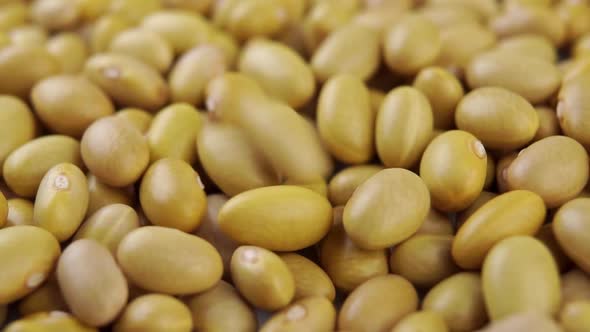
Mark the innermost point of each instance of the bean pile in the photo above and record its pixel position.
(333, 165)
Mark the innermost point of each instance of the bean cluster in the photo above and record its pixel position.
(294, 165)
